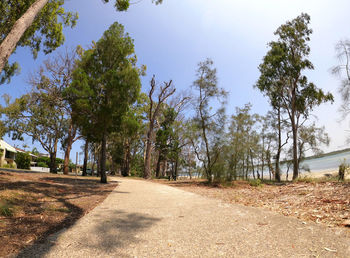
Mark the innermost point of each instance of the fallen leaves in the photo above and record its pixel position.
(327, 203)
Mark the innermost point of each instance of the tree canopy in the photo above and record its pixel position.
(105, 84)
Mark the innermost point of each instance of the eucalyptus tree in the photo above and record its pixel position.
(283, 77)
(164, 137)
(123, 141)
(34, 115)
(311, 138)
(243, 139)
(342, 70)
(52, 78)
(154, 108)
(105, 84)
(209, 124)
(36, 24)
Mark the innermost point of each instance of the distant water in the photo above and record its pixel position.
(330, 162)
(327, 162)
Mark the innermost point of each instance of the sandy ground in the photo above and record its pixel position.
(145, 219)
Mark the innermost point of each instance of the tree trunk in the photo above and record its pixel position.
(251, 160)
(278, 154)
(53, 167)
(66, 160)
(71, 135)
(86, 155)
(295, 152)
(21, 25)
(176, 167)
(103, 159)
(126, 163)
(147, 168)
(158, 165)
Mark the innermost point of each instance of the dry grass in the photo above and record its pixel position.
(33, 205)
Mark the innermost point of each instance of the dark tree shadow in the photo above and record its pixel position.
(117, 230)
(58, 190)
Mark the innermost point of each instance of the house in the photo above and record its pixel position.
(7, 154)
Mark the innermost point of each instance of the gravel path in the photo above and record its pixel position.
(144, 219)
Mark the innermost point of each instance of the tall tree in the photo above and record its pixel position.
(342, 71)
(33, 23)
(208, 123)
(34, 115)
(311, 138)
(53, 77)
(153, 113)
(106, 82)
(28, 22)
(282, 76)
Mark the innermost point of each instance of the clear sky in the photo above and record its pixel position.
(170, 39)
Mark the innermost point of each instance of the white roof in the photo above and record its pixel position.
(5, 146)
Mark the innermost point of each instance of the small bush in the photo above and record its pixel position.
(343, 168)
(23, 160)
(306, 179)
(8, 166)
(255, 182)
(42, 164)
(5, 210)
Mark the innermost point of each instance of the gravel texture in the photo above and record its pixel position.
(145, 219)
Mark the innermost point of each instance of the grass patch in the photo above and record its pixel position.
(6, 209)
(52, 208)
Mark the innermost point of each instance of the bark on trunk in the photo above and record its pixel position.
(147, 168)
(70, 138)
(66, 160)
(86, 155)
(103, 160)
(21, 25)
(126, 163)
(295, 153)
(53, 167)
(158, 166)
(278, 154)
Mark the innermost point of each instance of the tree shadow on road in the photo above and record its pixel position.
(118, 229)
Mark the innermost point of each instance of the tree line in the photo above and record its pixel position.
(95, 94)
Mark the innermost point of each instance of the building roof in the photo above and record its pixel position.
(30, 154)
(5, 146)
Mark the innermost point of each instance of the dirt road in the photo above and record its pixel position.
(144, 219)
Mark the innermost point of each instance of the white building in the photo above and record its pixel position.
(7, 154)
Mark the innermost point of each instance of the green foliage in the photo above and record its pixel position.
(45, 162)
(123, 5)
(23, 160)
(42, 164)
(6, 209)
(9, 166)
(208, 126)
(343, 169)
(255, 183)
(36, 115)
(282, 77)
(105, 83)
(45, 33)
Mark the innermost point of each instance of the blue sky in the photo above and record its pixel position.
(170, 39)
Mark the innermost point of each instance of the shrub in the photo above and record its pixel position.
(23, 160)
(343, 168)
(5, 210)
(42, 164)
(255, 182)
(8, 166)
